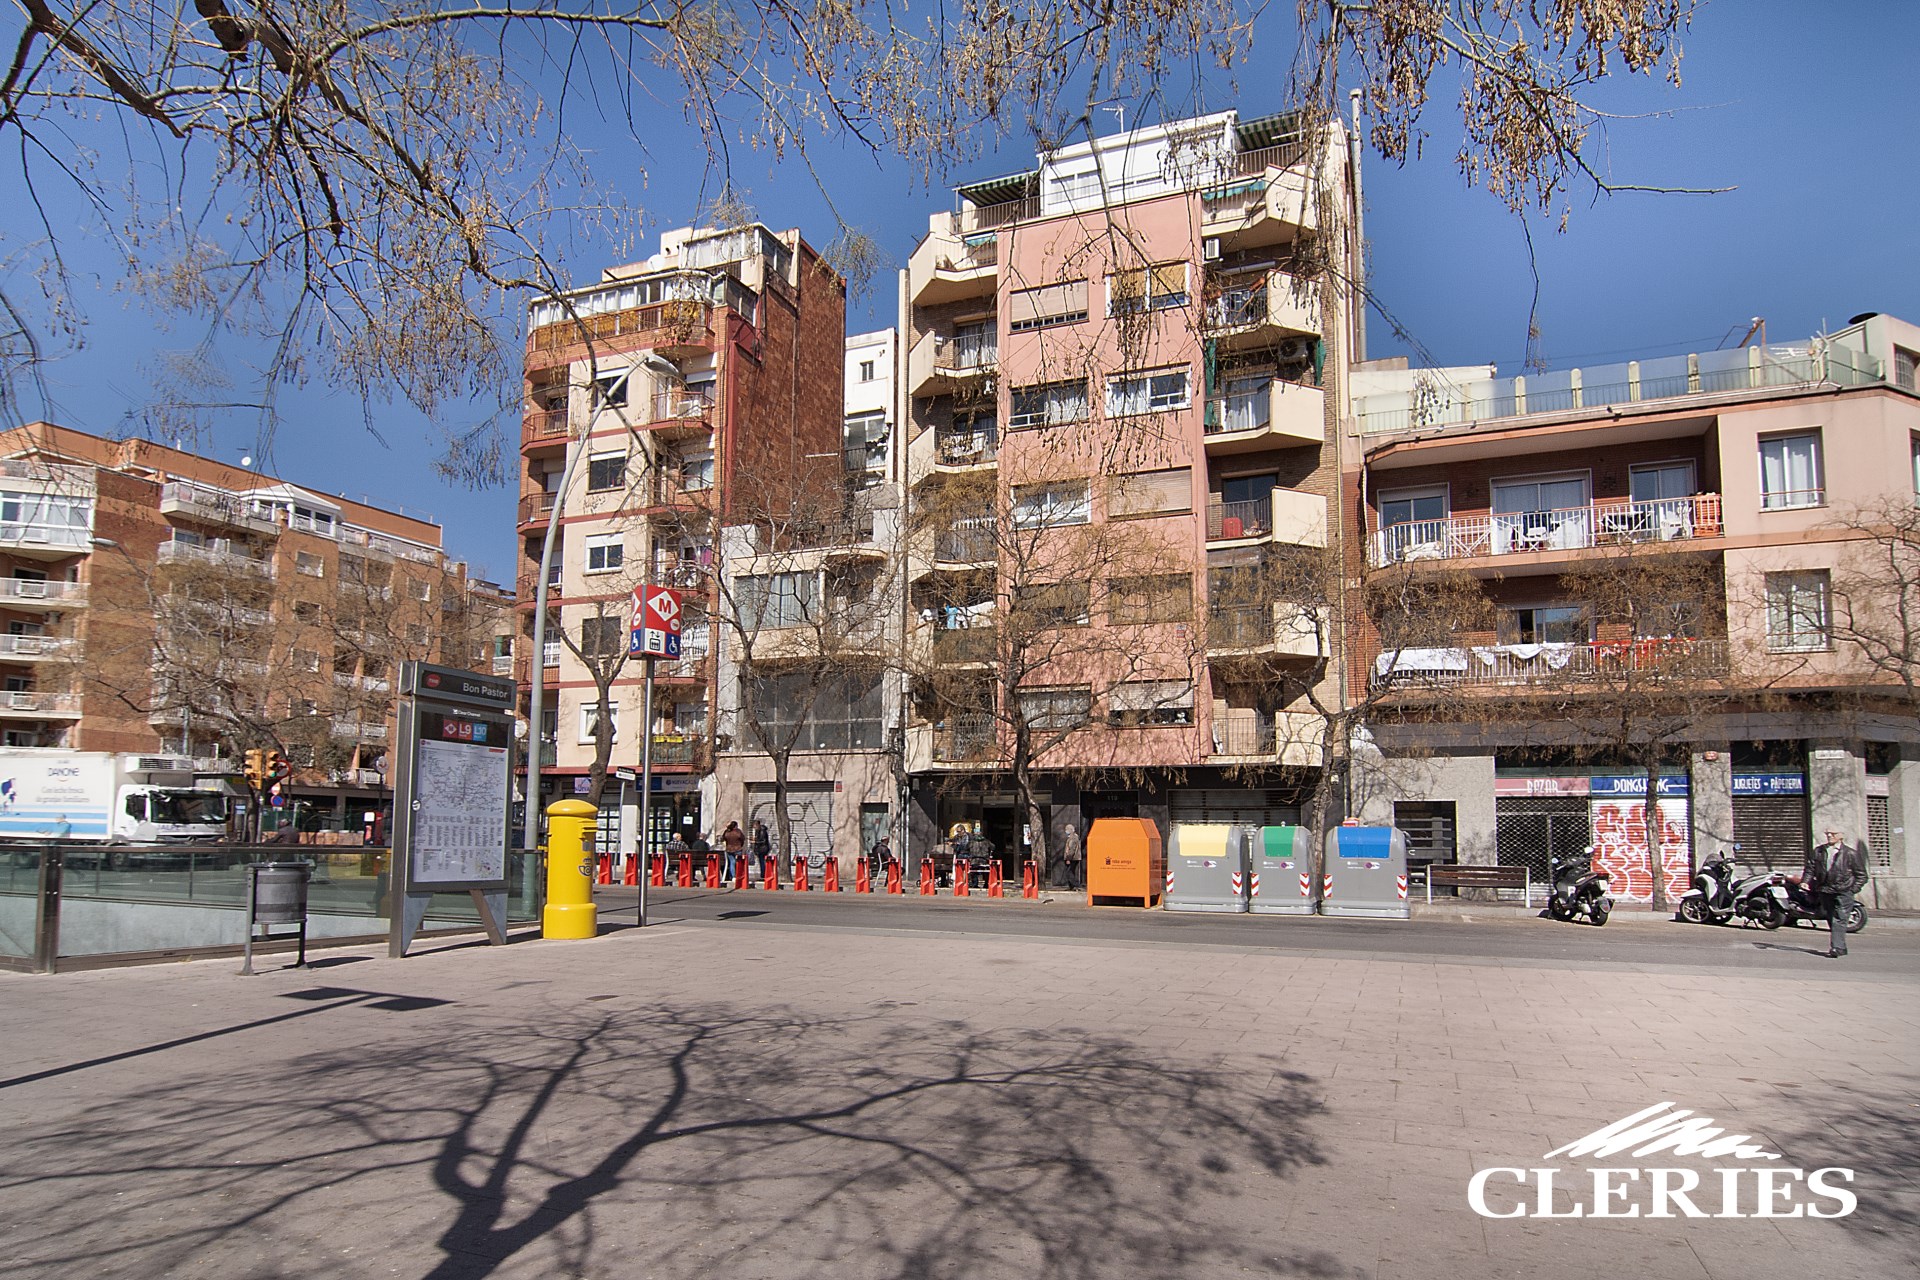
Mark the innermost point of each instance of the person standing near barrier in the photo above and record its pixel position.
(762, 848)
(1066, 872)
(734, 841)
(880, 855)
(1834, 872)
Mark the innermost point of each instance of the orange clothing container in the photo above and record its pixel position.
(1126, 860)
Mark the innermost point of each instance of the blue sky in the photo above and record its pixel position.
(1805, 113)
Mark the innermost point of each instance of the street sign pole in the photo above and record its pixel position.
(653, 633)
(646, 793)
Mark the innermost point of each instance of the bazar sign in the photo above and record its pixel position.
(1740, 1190)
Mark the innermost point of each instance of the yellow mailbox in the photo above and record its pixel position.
(570, 912)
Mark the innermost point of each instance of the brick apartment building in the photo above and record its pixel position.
(1133, 354)
(702, 387)
(156, 600)
(1699, 542)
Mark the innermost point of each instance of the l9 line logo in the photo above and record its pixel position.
(1742, 1190)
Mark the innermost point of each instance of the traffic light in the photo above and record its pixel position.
(256, 769)
(279, 768)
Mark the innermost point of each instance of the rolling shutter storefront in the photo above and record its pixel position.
(809, 810)
(1770, 823)
(1237, 806)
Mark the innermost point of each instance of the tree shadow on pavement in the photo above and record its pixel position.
(1873, 1133)
(688, 1142)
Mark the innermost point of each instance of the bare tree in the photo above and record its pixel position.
(1876, 593)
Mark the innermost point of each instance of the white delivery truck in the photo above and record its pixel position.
(98, 798)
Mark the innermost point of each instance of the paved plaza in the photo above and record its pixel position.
(730, 1095)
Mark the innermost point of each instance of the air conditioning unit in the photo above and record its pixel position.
(1296, 348)
(1210, 249)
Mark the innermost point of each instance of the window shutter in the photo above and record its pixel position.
(1148, 492)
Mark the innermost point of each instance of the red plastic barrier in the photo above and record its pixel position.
(685, 877)
(713, 870)
(773, 873)
(800, 875)
(926, 877)
(962, 872)
(605, 875)
(1029, 879)
(995, 889)
(631, 876)
(894, 884)
(742, 867)
(862, 878)
(657, 870)
(830, 876)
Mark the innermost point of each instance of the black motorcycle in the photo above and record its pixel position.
(1578, 890)
(1793, 902)
(1712, 899)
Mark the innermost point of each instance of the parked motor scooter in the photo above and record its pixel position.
(1711, 900)
(1579, 890)
(1791, 902)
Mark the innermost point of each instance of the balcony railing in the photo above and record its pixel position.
(1238, 306)
(969, 349)
(545, 424)
(535, 506)
(33, 702)
(1565, 529)
(1439, 404)
(1240, 626)
(1229, 520)
(677, 404)
(40, 594)
(969, 541)
(962, 738)
(1243, 731)
(219, 553)
(964, 644)
(966, 448)
(1638, 662)
(680, 574)
(677, 748)
(981, 217)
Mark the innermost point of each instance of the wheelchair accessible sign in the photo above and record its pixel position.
(654, 631)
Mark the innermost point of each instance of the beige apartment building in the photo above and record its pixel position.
(698, 388)
(1715, 552)
(1124, 371)
(156, 600)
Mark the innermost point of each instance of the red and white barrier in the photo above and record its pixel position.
(657, 870)
(927, 889)
(830, 875)
(800, 875)
(995, 889)
(862, 877)
(605, 873)
(895, 878)
(1029, 879)
(773, 873)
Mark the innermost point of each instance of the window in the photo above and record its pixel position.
(779, 599)
(1149, 493)
(1056, 604)
(974, 345)
(1413, 523)
(1147, 288)
(1052, 405)
(310, 564)
(417, 634)
(1535, 513)
(1661, 481)
(970, 439)
(606, 552)
(1790, 472)
(1903, 368)
(1160, 598)
(306, 610)
(1798, 611)
(1048, 506)
(1056, 708)
(1150, 702)
(606, 471)
(1916, 466)
(1050, 304)
(1147, 393)
(1545, 624)
(419, 588)
(603, 637)
(816, 711)
(869, 370)
(1247, 404)
(612, 390)
(863, 441)
(590, 719)
(696, 472)
(306, 660)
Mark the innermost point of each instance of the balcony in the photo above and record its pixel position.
(965, 739)
(1277, 629)
(949, 266)
(940, 364)
(544, 427)
(535, 508)
(1711, 375)
(38, 648)
(676, 328)
(31, 704)
(679, 412)
(965, 450)
(364, 730)
(381, 546)
(1285, 516)
(502, 664)
(684, 749)
(1549, 536)
(969, 543)
(1267, 201)
(1266, 312)
(1244, 733)
(220, 554)
(964, 646)
(1278, 415)
(1633, 663)
(215, 506)
(686, 575)
(1249, 735)
(40, 595)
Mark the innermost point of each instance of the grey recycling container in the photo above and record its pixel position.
(1365, 873)
(1207, 868)
(280, 892)
(1280, 866)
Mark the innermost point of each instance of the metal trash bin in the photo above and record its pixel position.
(1206, 868)
(1365, 873)
(280, 892)
(1280, 867)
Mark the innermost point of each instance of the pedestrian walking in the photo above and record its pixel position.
(734, 841)
(1836, 870)
(762, 848)
(1066, 871)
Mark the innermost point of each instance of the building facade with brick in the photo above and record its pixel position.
(1702, 566)
(698, 388)
(158, 601)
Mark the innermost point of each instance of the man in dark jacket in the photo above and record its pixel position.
(1836, 870)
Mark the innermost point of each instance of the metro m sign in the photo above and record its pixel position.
(654, 631)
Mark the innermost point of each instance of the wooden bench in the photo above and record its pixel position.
(1461, 875)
